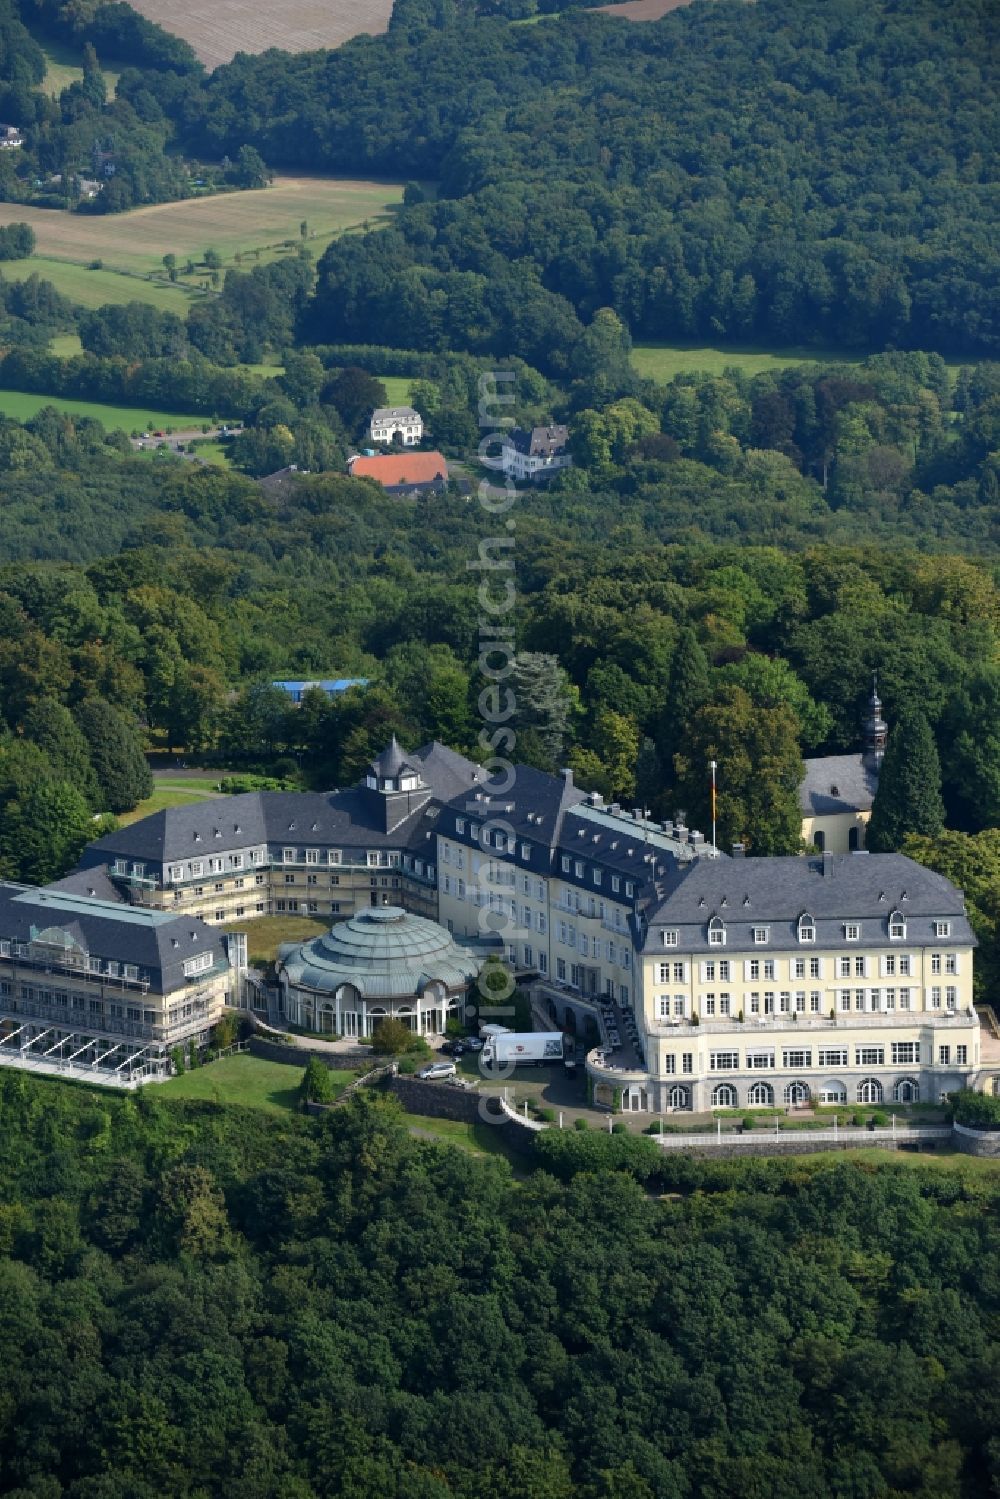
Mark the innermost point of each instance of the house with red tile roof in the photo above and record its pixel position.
(402, 473)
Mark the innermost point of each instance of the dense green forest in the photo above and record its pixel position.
(807, 172)
(201, 1300)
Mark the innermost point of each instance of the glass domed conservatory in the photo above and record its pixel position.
(381, 963)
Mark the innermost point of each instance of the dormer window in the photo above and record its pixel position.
(716, 932)
(852, 931)
(807, 929)
(942, 928)
(897, 927)
(669, 938)
(459, 824)
(759, 934)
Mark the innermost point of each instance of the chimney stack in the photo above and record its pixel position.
(827, 864)
(567, 775)
(739, 849)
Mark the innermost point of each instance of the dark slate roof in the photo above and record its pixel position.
(838, 783)
(540, 442)
(355, 818)
(91, 882)
(195, 830)
(834, 888)
(532, 808)
(392, 761)
(157, 942)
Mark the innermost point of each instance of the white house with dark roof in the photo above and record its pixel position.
(390, 421)
(535, 455)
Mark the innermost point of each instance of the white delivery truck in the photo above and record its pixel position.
(523, 1049)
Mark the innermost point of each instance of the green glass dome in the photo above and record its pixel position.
(383, 953)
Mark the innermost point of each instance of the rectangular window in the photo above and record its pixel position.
(754, 969)
(687, 1061)
(845, 999)
(760, 1061)
(560, 968)
(769, 968)
(942, 928)
(312, 855)
(708, 972)
(859, 999)
(843, 968)
(800, 968)
(869, 1056)
(664, 1007)
(786, 1002)
(890, 999)
(935, 997)
(889, 965)
(288, 854)
(815, 1000)
(815, 968)
(832, 1057)
(961, 1056)
(616, 884)
(670, 939)
(796, 1059)
(860, 968)
(904, 999)
(905, 1053)
(716, 936)
(905, 968)
(935, 962)
(708, 1004)
(724, 1061)
(670, 1065)
(944, 1056)
(951, 996)
(459, 824)
(725, 970)
(852, 931)
(807, 934)
(951, 963)
(755, 1003)
(759, 935)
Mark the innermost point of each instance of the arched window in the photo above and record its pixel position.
(907, 1090)
(797, 1094)
(716, 932)
(897, 927)
(807, 928)
(724, 1096)
(761, 1096)
(820, 841)
(853, 840)
(679, 1097)
(870, 1090)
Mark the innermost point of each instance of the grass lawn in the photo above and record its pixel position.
(478, 1139)
(213, 452)
(65, 345)
(95, 288)
(247, 1080)
(266, 933)
(23, 404)
(397, 388)
(64, 65)
(156, 803)
(663, 361)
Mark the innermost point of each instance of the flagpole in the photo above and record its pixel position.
(712, 763)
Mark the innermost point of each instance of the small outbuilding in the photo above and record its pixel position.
(381, 963)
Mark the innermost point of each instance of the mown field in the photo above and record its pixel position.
(664, 361)
(234, 224)
(23, 404)
(93, 288)
(217, 29)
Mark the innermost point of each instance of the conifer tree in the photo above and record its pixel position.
(52, 727)
(688, 689)
(908, 799)
(116, 753)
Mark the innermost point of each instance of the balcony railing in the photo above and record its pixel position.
(796, 1020)
(111, 1026)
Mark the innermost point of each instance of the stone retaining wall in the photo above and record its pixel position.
(441, 1101)
(298, 1055)
(976, 1141)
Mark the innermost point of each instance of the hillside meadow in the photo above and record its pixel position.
(239, 223)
